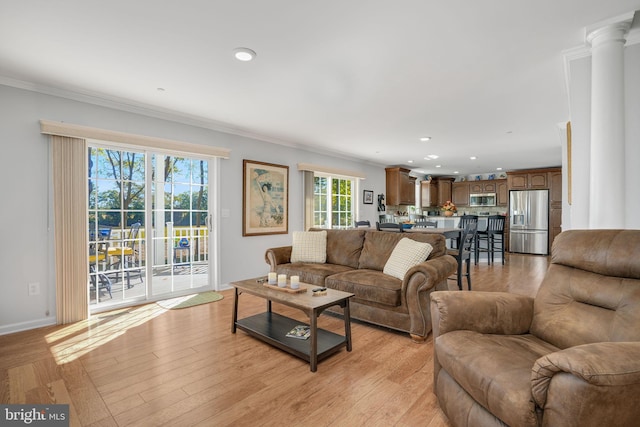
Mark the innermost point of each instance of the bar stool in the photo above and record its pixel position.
(465, 220)
(493, 236)
(463, 253)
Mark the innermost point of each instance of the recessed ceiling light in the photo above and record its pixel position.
(438, 166)
(473, 157)
(425, 138)
(427, 158)
(456, 172)
(498, 169)
(409, 161)
(244, 54)
(433, 156)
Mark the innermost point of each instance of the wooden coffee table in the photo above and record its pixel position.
(272, 327)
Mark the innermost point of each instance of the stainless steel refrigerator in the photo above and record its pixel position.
(529, 221)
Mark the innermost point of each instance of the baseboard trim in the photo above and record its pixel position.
(25, 326)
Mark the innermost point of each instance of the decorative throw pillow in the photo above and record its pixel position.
(309, 246)
(405, 255)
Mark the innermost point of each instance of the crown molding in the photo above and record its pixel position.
(121, 104)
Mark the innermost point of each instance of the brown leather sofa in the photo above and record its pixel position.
(355, 260)
(568, 357)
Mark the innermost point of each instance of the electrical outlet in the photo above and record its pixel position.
(34, 288)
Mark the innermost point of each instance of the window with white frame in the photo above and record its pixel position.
(333, 203)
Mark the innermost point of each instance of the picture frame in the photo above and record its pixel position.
(265, 198)
(367, 197)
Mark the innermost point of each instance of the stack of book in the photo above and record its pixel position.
(301, 332)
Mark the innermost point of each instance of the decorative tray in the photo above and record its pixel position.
(287, 289)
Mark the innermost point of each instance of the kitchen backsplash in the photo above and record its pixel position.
(405, 211)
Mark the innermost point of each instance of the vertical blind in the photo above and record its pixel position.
(70, 230)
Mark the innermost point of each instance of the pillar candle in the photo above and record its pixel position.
(282, 280)
(295, 282)
(273, 278)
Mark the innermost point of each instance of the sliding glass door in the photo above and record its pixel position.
(180, 195)
(149, 225)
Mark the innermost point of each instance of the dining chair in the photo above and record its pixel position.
(389, 226)
(425, 224)
(386, 218)
(465, 220)
(493, 236)
(127, 255)
(463, 253)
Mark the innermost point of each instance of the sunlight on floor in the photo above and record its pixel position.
(74, 341)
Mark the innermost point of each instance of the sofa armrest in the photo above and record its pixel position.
(590, 384)
(484, 312)
(275, 256)
(436, 270)
(419, 281)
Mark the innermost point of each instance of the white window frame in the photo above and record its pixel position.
(329, 196)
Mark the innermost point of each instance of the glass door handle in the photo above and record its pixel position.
(208, 222)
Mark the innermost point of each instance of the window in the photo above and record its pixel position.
(333, 202)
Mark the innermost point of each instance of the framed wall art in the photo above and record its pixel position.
(265, 198)
(367, 197)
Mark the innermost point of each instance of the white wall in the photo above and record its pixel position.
(632, 135)
(26, 221)
(580, 100)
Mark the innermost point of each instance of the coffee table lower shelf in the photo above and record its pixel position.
(272, 328)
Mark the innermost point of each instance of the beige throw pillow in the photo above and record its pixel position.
(405, 255)
(309, 246)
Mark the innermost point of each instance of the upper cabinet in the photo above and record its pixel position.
(436, 192)
(529, 180)
(444, 190)
(502, 192)
(460, 193)
(401, 188)
(462, 190)
(429, 194)
(479, 187)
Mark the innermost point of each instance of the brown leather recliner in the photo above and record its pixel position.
(568, 357)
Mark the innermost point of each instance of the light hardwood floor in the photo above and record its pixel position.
(145, 366)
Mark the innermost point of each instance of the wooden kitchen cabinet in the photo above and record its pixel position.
(555, 204)
(401, 188)
(460, 193)
(480, 187)
(429, 194)
(530, 180)
(444, 190)
(502, 193)
(518, 181)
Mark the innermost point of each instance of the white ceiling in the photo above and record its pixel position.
(361, 78)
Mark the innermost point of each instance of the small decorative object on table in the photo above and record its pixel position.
(273, 278)
(282, 280)
(301, 332)
(318, 292)
(295, 282)
(449, 208)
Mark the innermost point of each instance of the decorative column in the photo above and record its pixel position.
(607, 198)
